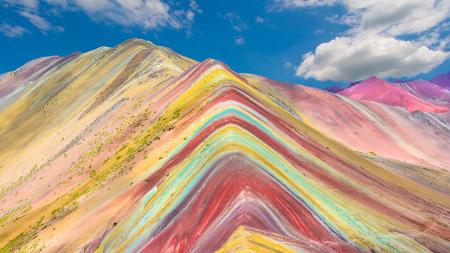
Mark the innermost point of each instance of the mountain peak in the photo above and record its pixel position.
(382, 91)
(374, 78)
(137, 42)
(139, 149)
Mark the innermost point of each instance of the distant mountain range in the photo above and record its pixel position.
(414, 95)
(137, 148)
(442, 80)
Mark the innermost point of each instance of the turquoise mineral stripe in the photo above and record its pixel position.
(259, 122)
(246, 113)
(198, 162)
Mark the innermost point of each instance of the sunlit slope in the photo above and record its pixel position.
(73, 86)
(379, 90)
(208, 160)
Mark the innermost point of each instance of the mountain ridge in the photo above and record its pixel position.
(206, 159)
(378, 90)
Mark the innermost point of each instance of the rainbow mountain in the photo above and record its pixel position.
(139, 149)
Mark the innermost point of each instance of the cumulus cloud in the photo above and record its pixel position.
(434, 38)
(372, 44)
(397, 17)
(12, 31)
(355, 58)
(392, 17)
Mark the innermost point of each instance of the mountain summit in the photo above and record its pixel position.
(379, 90)
(139, 149)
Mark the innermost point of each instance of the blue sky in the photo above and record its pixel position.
(316, 42)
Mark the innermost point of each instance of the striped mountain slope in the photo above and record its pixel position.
(139, 149)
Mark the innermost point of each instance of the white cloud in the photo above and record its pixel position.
(259, 20)
(190, 15)
(142, 14)
(372, 44)
(355, 58)
(235, 20)
(29, 9)
(38, 21)
(239, 40)
(288, 65)
(195, 7)
(12, 31)
(240, 27)
(286, 4)
(397, 17)
(28, 4)
(434, 38)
